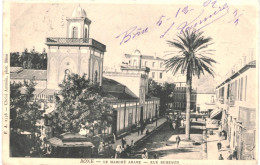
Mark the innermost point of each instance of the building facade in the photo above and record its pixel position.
(206, 102)
(179, 97)
(130, 112)
(155, 65)
(77, 53)
(237, 104)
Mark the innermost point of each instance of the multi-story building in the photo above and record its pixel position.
(155, 65)
(237, 104)
(80, 54)
(179, 97)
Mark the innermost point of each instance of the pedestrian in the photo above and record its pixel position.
(145, 154)
(170, 124)
(123, 141)
(219, 145)
(138, 128)
(142, 129)
(114, 136)
(173, 125)
(101, 149)
(178, 140)
(118, 151)
(128, 151)
(155, 156)
(132, 143)
(220, 157)
(234, 154)
(147, 132)
(230, 156)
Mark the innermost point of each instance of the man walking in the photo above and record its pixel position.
(219, 145)
(178, 140)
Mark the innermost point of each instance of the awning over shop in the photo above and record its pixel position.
(216, 114)
(70, 140)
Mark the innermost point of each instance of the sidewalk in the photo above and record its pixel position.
(163, 143)
(135, 137)
(212, 149)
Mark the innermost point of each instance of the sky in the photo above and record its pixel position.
(232, 26)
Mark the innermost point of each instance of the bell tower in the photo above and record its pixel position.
(77, 53)
(78, 24)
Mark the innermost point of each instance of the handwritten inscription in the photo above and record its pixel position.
(132, 33)
(199, 20)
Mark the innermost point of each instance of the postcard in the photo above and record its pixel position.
(130, 82)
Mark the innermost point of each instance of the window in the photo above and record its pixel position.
(134, 64)
(86, 33)
(212, 99)
(160, 75)
(241, 89)
(228, 91)
(235, 96)
(245, 86)
(153, 64)
(153, 74)
(75, 32)
(238, 90)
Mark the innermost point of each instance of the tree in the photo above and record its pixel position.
(80, 102)
(24, 114)
(190, 59)
(164, 92)
(29, 60)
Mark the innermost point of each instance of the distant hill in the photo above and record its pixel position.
(206, 84)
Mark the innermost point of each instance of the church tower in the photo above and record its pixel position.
(77, 53)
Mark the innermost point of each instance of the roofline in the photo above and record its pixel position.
(242, 70)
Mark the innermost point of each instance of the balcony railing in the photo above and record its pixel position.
(76, 41)
(125, 66)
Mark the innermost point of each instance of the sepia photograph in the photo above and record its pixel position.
(132, 82)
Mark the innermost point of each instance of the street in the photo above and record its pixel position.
(163, 143)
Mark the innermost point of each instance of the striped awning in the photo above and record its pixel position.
(215, 113)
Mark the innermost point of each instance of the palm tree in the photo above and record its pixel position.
(190, 59)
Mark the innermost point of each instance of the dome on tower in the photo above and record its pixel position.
(79, 13)
(136, 52)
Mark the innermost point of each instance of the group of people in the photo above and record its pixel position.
(105, 150)
(124, 150)
(141, 128)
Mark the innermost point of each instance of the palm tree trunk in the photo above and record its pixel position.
(188, 98)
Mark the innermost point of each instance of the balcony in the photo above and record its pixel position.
(130, 67)
(75, 42)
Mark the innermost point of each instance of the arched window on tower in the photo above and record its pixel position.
(67, 72)
(75, 32)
